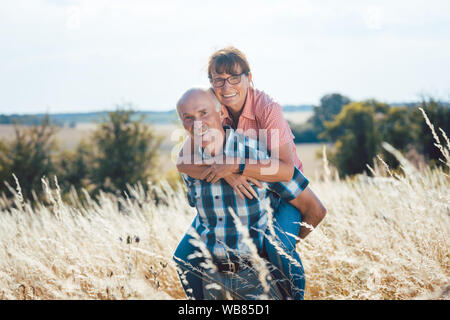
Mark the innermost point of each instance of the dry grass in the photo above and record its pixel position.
(298, 117)
(68, 138)
(385, 237)
(312, 164)
(93, 252)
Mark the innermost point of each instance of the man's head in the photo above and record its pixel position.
(200, 113)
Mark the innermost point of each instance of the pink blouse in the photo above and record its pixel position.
(262, 112)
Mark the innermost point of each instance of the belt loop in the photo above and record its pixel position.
(233, 267)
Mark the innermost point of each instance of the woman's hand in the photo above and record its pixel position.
(221, 168)
(241, 185)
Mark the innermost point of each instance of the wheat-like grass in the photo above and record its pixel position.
(384, 237)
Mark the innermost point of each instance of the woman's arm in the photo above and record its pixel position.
(269, 170)
(240, 183)
(280, 167)
(274, 169)
(185, 161)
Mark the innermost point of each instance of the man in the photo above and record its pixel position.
(225, 222)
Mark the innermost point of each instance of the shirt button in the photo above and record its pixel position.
(217, 197)
(220, 219)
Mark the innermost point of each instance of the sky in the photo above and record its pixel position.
(92, 55)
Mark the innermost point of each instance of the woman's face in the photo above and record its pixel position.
(232, 95)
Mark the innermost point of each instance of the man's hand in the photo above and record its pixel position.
(241, 185)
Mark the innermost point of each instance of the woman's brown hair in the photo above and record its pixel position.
(225, 61)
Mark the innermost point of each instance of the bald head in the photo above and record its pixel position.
(201, 117)
(206, 95)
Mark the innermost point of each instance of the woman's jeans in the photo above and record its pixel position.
(288, 273)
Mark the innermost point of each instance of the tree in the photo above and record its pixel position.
(439, 116)
(29, 156)
(311, 131)
(303, 132)
(398, 130)
(74, 168)
(125, 151)
(330, 106)
(356, 141)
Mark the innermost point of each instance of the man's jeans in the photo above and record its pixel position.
(241, 285)
(289, 276)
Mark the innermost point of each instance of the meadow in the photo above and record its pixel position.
(384, 237)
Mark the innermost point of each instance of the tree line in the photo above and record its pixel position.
(358, 128)
(122, 150)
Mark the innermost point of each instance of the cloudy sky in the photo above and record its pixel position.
(89, 55)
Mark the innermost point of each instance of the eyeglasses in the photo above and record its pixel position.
(220, 82)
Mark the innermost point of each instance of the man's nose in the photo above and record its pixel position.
(197, 124)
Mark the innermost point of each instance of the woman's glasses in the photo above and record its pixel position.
(220, 82)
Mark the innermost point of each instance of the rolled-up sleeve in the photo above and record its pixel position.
(292, 189)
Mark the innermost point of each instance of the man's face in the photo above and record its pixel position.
(201, 120)
(232, 95)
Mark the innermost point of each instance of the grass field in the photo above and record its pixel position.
(298, 116)
(384, 237)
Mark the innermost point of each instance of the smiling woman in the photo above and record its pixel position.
(248, 110)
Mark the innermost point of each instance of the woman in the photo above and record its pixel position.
(249, 110)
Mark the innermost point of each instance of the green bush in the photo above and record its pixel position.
(30, 156)
(125, 151)
(356, 140)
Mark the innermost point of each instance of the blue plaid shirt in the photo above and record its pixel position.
(213, 202)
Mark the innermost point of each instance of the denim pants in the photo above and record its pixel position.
(241, 285)
(289, 276)
(288, 273)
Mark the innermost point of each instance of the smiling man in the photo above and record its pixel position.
(199, 111)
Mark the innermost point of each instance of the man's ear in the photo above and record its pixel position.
(221, 113)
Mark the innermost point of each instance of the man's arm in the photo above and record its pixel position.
(313, 211)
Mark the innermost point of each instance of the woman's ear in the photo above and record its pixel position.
(250, 78)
